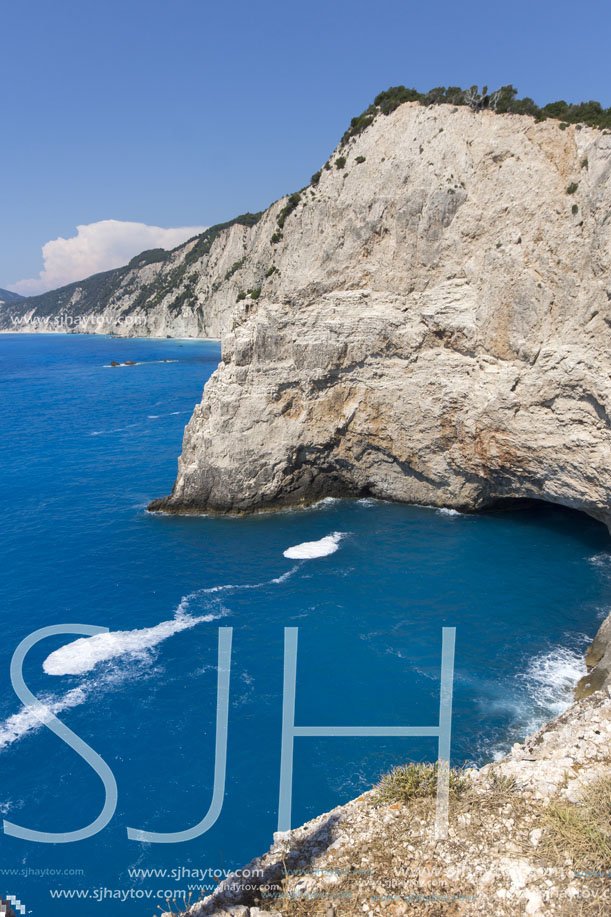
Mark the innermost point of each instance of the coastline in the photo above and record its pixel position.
(496, 855)
(370, 823)
(109, 334)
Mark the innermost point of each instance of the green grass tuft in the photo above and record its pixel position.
(416, 781)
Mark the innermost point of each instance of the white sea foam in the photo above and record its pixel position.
(310, 549)
(285, 576)
(20, 724)
(550, 678)
(539, 693)
(136, 363)
(130, 426)
(233, 587)
(115, 430)
(600, 560)
(84, 654)
(545, 691)
(441, 510)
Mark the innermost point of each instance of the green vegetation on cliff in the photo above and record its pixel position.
(151, 256)
(97, 291)
(502, 101)
(205, 240)
(94, 293)
(8, 296)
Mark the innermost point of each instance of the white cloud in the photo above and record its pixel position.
(99, 247)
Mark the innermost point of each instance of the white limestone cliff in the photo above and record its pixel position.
(436, 329)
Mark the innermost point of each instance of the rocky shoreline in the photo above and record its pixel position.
(429, 321)
(598, 662)
(505, 853)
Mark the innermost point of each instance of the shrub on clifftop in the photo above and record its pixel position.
(502, 101)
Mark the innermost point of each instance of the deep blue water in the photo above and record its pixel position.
(83, 449)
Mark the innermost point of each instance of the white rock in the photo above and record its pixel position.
(410, 347)
(534, 902)
(535, 836)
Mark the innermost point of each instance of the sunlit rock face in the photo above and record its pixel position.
(435, 329)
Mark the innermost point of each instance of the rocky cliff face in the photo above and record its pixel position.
(435, 328)
(188, 292)
(523, 839)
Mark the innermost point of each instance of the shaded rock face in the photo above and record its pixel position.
(598, 661)
(436, 329)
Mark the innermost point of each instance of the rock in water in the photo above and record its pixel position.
(436, 329)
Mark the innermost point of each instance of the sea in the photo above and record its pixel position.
(85, 446)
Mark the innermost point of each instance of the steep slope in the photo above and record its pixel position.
(432, 327)
(185, 292)
(520, 841)
(8, 296)
(192, 290)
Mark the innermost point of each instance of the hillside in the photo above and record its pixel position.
(527, 835)
(433, 326)
(174, 293)
(7, 296)
(193, 290)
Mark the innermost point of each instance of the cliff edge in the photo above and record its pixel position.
(430, 323)
(528, 835)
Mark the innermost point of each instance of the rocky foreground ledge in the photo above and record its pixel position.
(525, 838)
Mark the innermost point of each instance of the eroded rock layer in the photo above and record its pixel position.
(432, 327)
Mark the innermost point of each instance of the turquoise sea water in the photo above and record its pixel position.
(84, 447)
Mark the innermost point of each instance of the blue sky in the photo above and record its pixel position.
(186, 113)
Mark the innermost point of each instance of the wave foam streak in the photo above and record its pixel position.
(81, 656)
(84, 654)
(308, 550)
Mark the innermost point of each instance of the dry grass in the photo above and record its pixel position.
(502, 785)
(398, 870)
(415, 781)
(582, 831)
